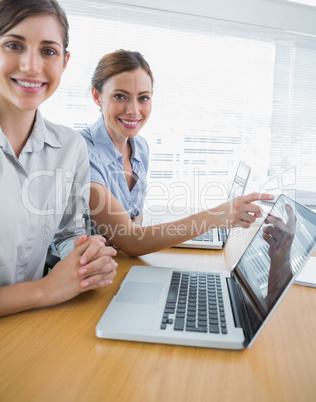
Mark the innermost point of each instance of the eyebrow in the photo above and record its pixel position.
(44, 42)
(126, 92)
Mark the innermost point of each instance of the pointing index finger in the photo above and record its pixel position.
(258, 197)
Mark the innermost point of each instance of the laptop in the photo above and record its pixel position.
(215, 309)
(216, 238)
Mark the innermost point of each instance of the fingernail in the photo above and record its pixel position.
(82, 271)
(85, 284)
(83, 260)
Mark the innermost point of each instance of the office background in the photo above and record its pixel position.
(234, 80)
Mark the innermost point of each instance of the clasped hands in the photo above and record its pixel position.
(89, 266)
(98, 269)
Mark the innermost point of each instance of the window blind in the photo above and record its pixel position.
(223, 92)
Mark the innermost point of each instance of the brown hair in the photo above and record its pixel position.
(12, 12)
(118, 62)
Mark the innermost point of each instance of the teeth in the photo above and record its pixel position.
(28, 84)
(130, 123)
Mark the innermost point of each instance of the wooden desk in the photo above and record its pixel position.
(54, 355)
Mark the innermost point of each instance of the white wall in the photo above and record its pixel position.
(279, 14)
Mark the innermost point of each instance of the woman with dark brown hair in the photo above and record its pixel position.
(44, 168)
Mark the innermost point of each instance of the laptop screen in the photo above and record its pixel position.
(279, 249)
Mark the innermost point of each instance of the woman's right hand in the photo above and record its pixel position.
(89, 266)
(241, 211)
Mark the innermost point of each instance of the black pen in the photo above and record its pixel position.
(87, 222)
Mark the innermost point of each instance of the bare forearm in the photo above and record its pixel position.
(117, 226)
(20, 297)
(135, 240)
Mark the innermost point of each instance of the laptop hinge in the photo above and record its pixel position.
(239, 310)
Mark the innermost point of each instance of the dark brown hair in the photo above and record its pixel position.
(12, 12)
(118, 62)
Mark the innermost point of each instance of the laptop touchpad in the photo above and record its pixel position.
(140, 293)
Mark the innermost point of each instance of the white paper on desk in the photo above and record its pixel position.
(307, 277)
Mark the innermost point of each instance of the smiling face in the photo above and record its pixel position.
(126, 103)
(32, 60)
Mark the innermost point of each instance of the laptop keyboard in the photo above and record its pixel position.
(213, 235)
(208, 236)
(195, 303)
